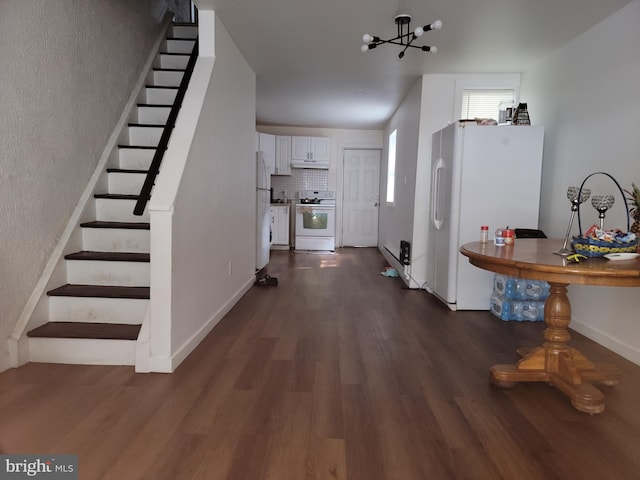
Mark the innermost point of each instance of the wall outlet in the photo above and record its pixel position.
(405, 252)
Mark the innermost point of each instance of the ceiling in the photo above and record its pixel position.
(311, 72)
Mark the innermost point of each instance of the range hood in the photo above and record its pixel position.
(310, 163)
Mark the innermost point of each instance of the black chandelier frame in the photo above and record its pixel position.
(405, 37)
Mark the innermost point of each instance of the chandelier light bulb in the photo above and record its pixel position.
(433, 49)
(364, 48)
(418, 32)
(366, 38)
(437, 25)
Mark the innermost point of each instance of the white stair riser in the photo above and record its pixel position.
(160, 96)
(136, 158)
(179, 46)
(97, 310)
(111, 210)
(167, 78)
(153, 115)
(115, 240)
(82, 351)
(126, 183)
(184, 31)
(174, 61)
(97, 272)
(145, 136)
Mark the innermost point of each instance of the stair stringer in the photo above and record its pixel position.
(36, 310)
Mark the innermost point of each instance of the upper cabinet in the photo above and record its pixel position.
(283, 155)
(310, 152)
(267, 145)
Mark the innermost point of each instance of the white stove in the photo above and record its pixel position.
(316, 221)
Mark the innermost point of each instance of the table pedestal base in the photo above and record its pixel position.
(557, 363)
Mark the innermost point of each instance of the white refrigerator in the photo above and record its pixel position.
(263, 212)
(480, 175)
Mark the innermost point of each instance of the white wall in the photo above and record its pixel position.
(68, 70)
(203, 208)
(396, 219)
(586, 96)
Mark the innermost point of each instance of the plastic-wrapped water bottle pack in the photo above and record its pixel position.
(518, 299)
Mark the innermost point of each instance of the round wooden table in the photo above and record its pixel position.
(555, 362)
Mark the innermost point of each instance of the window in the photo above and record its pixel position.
(484, 103)
(391, 167)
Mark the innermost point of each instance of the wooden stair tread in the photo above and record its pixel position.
(139, 147)
(154, 105)
(117, 196)
(145, 125)
(168, 70)
(125, 170)
(161, 86)
(101, 291)
(124, 225)
(109, 256)
(101, 331)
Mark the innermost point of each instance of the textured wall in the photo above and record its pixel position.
(68, 67)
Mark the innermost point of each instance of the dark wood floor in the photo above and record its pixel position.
(337, 373)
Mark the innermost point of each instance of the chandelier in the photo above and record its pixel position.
(405, 37)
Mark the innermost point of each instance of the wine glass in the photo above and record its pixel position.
(602, 203)
(572, 195)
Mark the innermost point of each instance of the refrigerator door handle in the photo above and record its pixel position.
(436, 179)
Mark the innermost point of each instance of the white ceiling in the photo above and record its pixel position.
(310, 70)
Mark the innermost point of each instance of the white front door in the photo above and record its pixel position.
(361, 182)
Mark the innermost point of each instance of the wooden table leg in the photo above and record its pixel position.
(557, 363)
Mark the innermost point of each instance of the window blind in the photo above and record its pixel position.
(484, 103)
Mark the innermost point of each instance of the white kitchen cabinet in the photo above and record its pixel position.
(283, 155)
(310, 148)
(280, 226)
(268, 149)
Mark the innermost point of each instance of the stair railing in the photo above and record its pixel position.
(154, 169)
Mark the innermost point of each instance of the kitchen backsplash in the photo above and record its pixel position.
(300, 179)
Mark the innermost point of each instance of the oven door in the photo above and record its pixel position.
(315, 220)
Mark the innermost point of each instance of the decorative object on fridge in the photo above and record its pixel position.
(597, 242)
(405, 37)
(521, 115)
(572, 195)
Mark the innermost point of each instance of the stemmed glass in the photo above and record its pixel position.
(602, 203)
(572, 195)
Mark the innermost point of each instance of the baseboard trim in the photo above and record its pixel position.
(388, 254)
(607, 341)
(169, 364)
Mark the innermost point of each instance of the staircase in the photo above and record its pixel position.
(95, 318)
